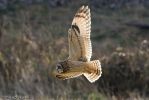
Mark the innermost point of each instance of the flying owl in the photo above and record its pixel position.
(80, 50)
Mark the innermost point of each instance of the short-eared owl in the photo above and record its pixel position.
(80, 50)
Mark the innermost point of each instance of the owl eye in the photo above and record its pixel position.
(59, 68)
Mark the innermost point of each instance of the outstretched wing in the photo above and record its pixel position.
(68, 75)
(79, 36)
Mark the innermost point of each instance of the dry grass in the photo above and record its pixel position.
(33, 39)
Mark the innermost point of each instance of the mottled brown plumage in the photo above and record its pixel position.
(80, 50)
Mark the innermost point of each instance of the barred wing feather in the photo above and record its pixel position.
(79, 36)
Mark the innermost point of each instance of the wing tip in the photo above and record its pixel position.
(84, 8)
(84, 12)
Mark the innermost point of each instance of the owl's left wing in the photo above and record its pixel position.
(79, 36)
(68, 75)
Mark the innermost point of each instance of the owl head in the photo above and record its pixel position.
(62, 66)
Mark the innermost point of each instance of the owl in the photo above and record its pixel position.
(80, 50)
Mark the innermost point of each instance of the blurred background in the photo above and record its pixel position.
(33, 38)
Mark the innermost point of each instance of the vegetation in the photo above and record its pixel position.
(34, 38)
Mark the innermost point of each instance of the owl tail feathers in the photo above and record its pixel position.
(96, 73)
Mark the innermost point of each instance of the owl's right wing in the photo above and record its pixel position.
(79, 36)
